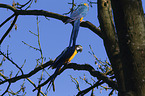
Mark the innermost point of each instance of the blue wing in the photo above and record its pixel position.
(80, 12)
(54, 64)
(60, 60)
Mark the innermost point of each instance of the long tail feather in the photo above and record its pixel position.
(72, 36)
(55, 74)
(76, 30)
(74, 33)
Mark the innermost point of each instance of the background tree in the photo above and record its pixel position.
(123, 38)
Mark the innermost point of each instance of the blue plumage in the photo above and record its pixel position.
(65, 57)
(79, 12)
(76, 16)
(72, 49)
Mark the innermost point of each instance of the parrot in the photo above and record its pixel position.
(68, 54)
(77, 16)
(65, 57)
(78, 13)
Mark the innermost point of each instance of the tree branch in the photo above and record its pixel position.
(6, 90)
(88, 68)
(7, 20)
(8, 7)
(94, 73)
(92, 27)
(12, 62)
(8, 31)
(63, 18)
(14, 79)
(74, 66)
(81, 93)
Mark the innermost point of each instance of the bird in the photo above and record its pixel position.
(64, 58)
(80, 12)
(77, 15)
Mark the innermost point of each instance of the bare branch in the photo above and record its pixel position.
(7, 20)
(63, 18)
(88, 68)
(81, 93)
(74, 66)
(35, 86)
(92, 27)
(6, 90)
(14, 79)
(44, 83)
(93, 72)
(8, 7)
(12, 62)
(31, 46)
(21, 6)
(8, 31)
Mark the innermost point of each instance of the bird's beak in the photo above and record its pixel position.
(79, 48)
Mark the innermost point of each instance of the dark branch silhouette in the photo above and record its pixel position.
(8, 31)
(63, 18)
(12, 62)
(7, 20)
(86, 67)
(14, 79)
(81, 93)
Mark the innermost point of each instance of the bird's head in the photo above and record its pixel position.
(84, 4)
(79, 48)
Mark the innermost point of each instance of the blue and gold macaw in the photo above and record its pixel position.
(65, 57)
(68, 54)
(77, 16)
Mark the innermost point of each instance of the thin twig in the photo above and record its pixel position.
(35, 86)
(93, 72)
(7, 20)
(6, 89)
(12, 62)
(38, 93)
(21, 67)
(2, 75)
(29, 5)
(81, 93)
(14, 79)
(30, 46)
(24, 4)
(39, 41)
(8, 31)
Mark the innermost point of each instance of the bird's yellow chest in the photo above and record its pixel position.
(72, 56)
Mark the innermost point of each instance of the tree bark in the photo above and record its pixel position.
(110, 40)
(129, 20)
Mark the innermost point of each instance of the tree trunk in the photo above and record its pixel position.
(129, 21)
(110, 40)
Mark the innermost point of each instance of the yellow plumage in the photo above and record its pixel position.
(72, 56)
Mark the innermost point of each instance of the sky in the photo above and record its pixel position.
(54, 37)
